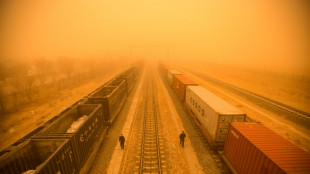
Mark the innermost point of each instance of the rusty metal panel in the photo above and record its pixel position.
(253, 148)
(41, 155)
(179, 85)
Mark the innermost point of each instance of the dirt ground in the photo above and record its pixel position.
(288, 89)
(16, 125)
(280, 88)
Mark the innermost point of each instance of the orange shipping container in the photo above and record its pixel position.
(179, 85)
(253, 148)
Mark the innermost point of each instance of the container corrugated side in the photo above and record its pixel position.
(179, 85)
(171, 73)
(42, 155)
(214, 121)
(253, 148)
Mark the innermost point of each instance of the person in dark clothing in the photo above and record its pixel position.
(182, 138)
(121, 140)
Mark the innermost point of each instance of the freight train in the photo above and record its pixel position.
(246, 147)
(63, 144)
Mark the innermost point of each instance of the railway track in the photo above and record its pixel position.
(150, 156)
(147, 140)
(259, 99)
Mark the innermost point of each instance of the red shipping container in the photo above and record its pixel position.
(253, 148)
(179, 85)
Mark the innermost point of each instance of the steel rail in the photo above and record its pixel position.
(144, 128)
(156, 129)
(150, 121)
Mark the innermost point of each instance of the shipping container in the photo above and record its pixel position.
(212, 114)
(163, 68)
(48, 156)
(253, 148)
(86, 133)
(171, 73)
(111, 97)
(179, 85)
(129, 76)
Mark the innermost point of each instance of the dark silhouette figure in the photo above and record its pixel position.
(182, 138)
(121, 140)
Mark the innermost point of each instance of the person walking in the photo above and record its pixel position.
(182, 138)
(121, 140)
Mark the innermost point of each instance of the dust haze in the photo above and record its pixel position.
(271, 35)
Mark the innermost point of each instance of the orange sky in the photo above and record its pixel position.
(271, 34)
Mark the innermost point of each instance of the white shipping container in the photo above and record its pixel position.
(213, 113)
(171, 73)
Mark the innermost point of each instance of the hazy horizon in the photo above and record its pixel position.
(259, 34)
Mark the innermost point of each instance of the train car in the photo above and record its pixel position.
(134, 69)
(163, 68)
(83, 125)
(138, 67)
(111, 97)
(33, 132)
(212, 114)
(253, 148)
(171, 73)
(116, 103)
(129, 76)
(179, 85)
(36, 130)
(38, 156)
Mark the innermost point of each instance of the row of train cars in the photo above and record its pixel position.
(52, 149)
(246, 147)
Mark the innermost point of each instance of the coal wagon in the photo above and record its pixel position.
(48, 156)
(83, 125)
(112, 96)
